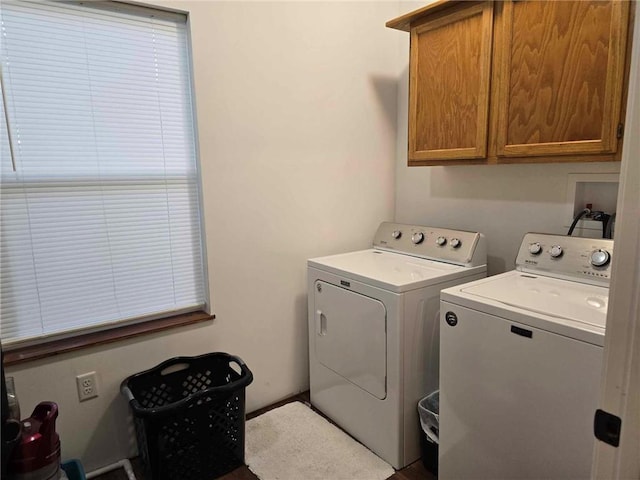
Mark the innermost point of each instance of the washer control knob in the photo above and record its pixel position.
(556, 251)
(417, 237)
(599, 258)
(535, 248)
(396, 234)
(456, 243)
(440, 241)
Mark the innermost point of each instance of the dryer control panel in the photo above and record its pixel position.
(459, 247)
(586, 260)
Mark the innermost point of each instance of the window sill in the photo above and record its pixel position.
(57, 347)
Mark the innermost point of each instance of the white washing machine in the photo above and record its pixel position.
(373, 330)
(520, 364)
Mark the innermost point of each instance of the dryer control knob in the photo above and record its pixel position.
(599, 258)
(556, 251)
(396, 234)
(440, 241)
(417, 237)
(535, 248)
(456, 243)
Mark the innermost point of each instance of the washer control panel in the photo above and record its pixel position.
(453, 246)
(586, 260)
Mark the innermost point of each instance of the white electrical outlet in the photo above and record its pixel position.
(87, 386)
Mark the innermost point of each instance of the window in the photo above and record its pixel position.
(99, 203)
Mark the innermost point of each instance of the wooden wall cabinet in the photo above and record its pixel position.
(516, 81)
(449, 77)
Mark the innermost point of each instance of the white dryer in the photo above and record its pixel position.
(373, 330)
(520, 364)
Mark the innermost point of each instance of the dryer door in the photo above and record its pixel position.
(350, 336)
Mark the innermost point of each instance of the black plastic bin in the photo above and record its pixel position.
(189, 414)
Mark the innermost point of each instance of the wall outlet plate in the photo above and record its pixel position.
(87, 386)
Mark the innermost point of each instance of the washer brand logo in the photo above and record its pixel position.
(344, 283)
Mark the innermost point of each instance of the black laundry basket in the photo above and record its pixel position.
(189, 414)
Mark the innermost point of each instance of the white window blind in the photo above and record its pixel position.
(100, 220)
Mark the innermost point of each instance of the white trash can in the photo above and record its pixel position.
(428, 410)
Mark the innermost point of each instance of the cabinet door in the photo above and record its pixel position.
(450, 71)
(559, 85)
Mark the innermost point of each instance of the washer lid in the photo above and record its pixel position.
(391, 271)
(586, 304)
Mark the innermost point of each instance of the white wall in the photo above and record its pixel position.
(501, 201)
(296, 107)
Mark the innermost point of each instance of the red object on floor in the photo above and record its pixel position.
(38, 451)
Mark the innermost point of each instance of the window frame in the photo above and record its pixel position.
(47, 345)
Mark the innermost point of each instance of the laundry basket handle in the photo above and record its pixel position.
(178, 364)
(246, 374)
